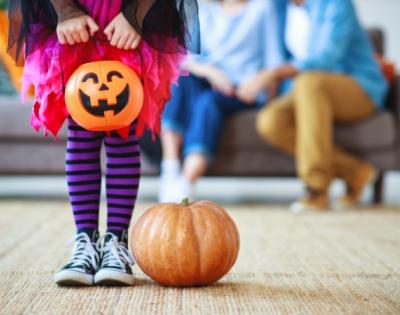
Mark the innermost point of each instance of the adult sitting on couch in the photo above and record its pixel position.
(336, 79)
(239, 39)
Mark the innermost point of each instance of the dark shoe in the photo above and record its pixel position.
(83, 264)
(116, 261)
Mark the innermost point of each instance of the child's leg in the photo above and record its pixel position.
(84, 175)
(122, 179)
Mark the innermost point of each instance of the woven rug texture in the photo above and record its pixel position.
(326, 263)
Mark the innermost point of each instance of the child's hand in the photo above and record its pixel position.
(76, 30)
(121, 34)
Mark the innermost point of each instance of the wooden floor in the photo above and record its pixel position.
(329, 263)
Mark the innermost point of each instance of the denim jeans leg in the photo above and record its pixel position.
(207, 122)
(177, 111)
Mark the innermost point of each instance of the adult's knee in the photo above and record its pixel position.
(309, 81)
(268, 125)
(308, 88)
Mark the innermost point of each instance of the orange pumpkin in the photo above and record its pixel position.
(104, 96)
(185, 244)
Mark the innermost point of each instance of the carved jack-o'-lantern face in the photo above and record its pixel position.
(104, 96)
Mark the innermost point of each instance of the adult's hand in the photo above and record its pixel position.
(248, 90)
(216, 77)
(270, 80)
(76, 30)
(220, 81)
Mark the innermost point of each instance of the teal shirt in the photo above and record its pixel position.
(339, 44)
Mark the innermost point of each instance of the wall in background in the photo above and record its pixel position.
(386, 14)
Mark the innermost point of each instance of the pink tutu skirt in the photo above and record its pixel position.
(50, 64)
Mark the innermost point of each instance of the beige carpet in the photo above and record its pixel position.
(336, 263)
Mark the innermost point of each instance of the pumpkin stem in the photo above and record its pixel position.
(185, 202)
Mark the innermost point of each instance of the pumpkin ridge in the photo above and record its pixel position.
(217, 226)
(177, 261)
(137, 228)
(140, 225)
(166, 220)
(149, 244)
(224, 220)
(199, 256)
(220, 218)
(235, 237)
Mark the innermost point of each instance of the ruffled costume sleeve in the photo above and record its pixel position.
(66, 9)
(169, 29)
(160, 20)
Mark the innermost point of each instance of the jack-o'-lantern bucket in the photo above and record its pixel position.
(104, 96)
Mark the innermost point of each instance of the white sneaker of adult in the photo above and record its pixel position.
(175, 189)
(170, 170)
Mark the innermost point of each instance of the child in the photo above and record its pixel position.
(240, 41)
(59, 36)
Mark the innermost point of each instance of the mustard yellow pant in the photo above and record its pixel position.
(301, 124)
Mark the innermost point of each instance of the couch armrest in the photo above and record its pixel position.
(393, 98)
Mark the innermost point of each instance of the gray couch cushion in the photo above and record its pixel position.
(375, 133)
(38, 158)
(15, 121)
(372, 134)
(18, 141)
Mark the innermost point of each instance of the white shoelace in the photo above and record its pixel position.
(118, 256)
(82, 250)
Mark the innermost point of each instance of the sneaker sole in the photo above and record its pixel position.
(113, 278)
(73, 278)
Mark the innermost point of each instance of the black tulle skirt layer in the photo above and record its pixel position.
(157, 21)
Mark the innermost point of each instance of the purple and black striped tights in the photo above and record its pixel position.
(84, 177)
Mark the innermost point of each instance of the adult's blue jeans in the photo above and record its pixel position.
(198, 113)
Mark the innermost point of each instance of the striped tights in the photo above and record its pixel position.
(83, 172)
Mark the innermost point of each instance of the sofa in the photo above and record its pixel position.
(242, 153)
